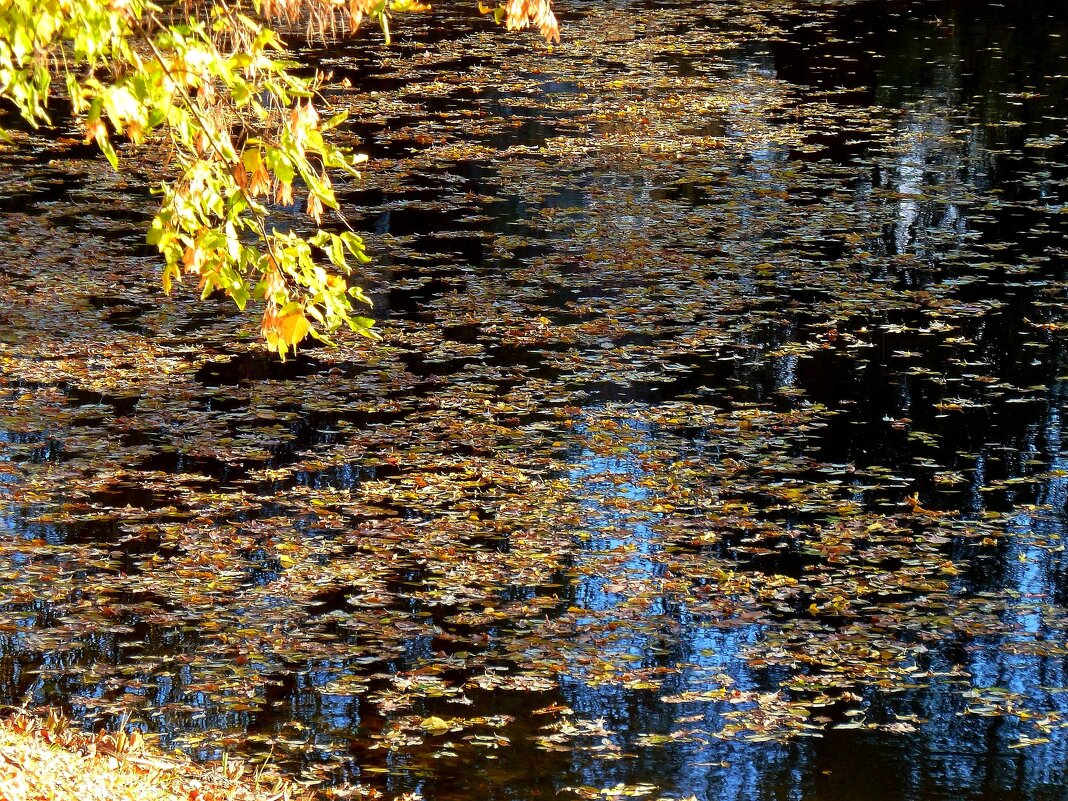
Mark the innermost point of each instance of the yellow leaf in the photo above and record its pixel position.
(292, 326)
(434, 725)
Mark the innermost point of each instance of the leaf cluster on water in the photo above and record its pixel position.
(705, 392)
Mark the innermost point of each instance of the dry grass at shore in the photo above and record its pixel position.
(44, 759)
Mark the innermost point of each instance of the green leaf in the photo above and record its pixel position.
(334, 121)
(104, 142)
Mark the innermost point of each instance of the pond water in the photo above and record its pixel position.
(715, 446)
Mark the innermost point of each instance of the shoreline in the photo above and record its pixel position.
(50, 758)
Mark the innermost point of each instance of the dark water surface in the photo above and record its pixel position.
(715, 446)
